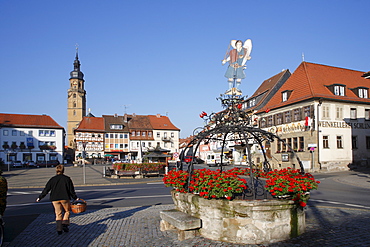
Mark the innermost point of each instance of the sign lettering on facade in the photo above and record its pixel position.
(342, 124)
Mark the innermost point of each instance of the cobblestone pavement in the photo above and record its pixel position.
(139, 227)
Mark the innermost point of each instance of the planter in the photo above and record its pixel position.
(243, 221)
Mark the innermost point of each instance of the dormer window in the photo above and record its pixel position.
(116, 126)
(339, 90)
(252, 102)
(285, 95)
(361, 92)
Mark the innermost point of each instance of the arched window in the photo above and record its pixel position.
(74, 95)
(74, 104)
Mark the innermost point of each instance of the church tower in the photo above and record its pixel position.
(76, 101)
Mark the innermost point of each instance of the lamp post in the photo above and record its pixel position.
(46, 151)
(7, 151)
(83, 160)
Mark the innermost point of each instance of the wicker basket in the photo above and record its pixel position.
(79, 206)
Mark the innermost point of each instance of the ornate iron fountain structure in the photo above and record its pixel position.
(234, 125)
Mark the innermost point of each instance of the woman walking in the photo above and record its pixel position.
(62, 190)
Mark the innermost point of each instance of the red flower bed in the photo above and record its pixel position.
(215, 184)
(208, 184)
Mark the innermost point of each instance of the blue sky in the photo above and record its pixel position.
(165, 56)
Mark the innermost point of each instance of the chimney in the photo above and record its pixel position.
(134, 114)
(125, 118)
(115, 115)
(158, 115)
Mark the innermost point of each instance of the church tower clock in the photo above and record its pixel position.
(76, 101)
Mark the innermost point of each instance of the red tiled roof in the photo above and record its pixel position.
(269, 83)
(91, 124)
(139, 122)
(31, 121)
(310, 80)
(161, 123)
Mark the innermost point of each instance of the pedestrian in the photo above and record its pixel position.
(62, 190)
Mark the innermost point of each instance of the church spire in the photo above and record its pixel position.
(76, 73)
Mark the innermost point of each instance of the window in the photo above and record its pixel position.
(21, 133)
(133, 133)
(252, 102)
(278, 146)
(116, 136)
(307, 111)
(339, 90)
(143, 144)
(295, 143)
(325, 111)
(285, 96)
(325, 141)
(143, 133)
(339, 112)
(269, 121)
(5, 132)
(111, 136)
(115, 145)
(30, 133)
(362, 93)
(116, 126)
(125, 136)
(150, 134)
(289, 142)
(126, 145)
(47, 133)
(263, 122)
(367, 114)
(279, 119)
(339, 142)
(367, 142)
(121, 136)
(287, 117)
(138, 133)
(297, 114)
(158, 134)
(149, 144)
(353, 113)
(106, 135)
(354, 142)
(52, 132)
(172, 135)
(301, 143)
(14, 132)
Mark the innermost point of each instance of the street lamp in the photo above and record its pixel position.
(46, 151)
(8, 151)
(83, 160)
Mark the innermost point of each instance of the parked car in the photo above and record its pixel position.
(17, 164)
(49, 163)
(30, 164)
